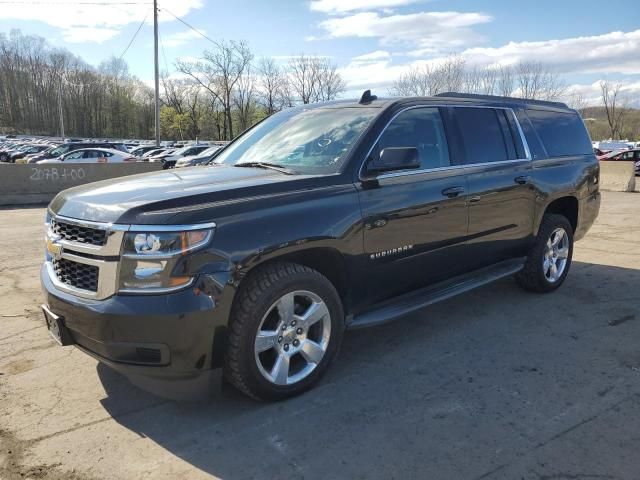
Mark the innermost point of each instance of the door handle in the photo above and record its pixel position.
(522, 180)
(452, 191)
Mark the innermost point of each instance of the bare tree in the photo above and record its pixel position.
(271, 84)
(413, 83)
(505, 84)
(314, 79)
(244, 99)
(329, 83)
(302, 77)
(538, 82)
(218, 73)
(448, 76)
(575, 99)
(614, 107)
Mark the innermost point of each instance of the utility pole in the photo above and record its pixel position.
(157, 74)
(60, 110)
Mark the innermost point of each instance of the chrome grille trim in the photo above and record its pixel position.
(105, 257)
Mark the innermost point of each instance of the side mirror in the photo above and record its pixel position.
(395, 158)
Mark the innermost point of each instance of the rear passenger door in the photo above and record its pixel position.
(501, 194)
(415, 221)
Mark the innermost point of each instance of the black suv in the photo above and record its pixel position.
(320, 218)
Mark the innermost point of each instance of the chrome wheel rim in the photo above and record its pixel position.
(292, 338)
(556, 255)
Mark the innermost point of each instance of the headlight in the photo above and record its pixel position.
(149, 259)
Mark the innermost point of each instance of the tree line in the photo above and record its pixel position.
(96, 102)
(227, 90)
(215, 97)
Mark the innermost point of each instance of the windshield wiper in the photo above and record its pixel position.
(271, 166)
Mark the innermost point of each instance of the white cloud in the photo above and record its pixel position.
(615, 52)
(373, 56)
(89, 34)
(342, 6)
(77, 20)
(180, 38)
(610, 54)
(424, 30)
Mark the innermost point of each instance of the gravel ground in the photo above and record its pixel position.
(494, 384)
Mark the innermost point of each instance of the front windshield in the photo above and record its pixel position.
(313, 141)
(59, 150)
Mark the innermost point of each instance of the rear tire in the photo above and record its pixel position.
(285, 329)
(549, 259)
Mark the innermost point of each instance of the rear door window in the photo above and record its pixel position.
(562, 133)
(483, 136)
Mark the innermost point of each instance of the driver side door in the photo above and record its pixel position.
(415, 221)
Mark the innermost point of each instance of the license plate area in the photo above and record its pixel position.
(56, 327)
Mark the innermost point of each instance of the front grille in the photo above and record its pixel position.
(77, 233)
(78, 275)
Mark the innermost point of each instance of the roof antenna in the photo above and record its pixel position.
(367, 97)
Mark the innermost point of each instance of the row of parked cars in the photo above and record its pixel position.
(171, 155)
(618, 151)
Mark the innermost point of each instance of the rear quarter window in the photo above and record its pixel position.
(561, 133)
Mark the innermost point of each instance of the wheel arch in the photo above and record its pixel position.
(328, 261)
(567, 206)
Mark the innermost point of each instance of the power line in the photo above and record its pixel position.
(186, 24)
(134, 36)
(85, 85)
(39, 2)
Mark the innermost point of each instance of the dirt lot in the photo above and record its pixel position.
(496, 384)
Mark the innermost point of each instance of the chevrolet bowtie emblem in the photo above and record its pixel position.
(54, 248)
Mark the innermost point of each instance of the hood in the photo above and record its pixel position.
(153, 198)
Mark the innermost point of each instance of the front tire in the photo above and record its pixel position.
(286, 327)
(549, 260)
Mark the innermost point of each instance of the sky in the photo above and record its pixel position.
(371, 41)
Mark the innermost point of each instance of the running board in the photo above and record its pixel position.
(412, 301)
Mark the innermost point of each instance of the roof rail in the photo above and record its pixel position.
(475, 96)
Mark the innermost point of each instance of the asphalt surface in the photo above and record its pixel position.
(494, 384)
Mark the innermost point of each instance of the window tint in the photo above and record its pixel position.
(482, 135)
(421, 128)
(562, 133)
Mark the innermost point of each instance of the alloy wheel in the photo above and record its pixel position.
(292, 338)
(556, 255)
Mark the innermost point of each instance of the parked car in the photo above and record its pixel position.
(71, 146)
(7, 149)
(200, 159)
(169, 159)
(611, 145)
(154, 152)
(320, 218)
(30, 149)
(625, 155)
(93, 155)
(142, 149)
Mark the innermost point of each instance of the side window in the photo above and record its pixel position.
(91, 154)
(73, 156)
(562, 133)
(483, 136)
(421, 128)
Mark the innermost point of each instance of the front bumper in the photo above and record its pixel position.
(167, 344)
